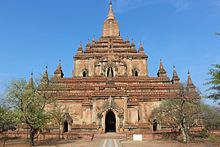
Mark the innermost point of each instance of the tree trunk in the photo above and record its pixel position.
(59, 132)
(184, 132)
(32, 134)
(4, 140)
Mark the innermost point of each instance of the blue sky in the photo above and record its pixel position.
(36, 33)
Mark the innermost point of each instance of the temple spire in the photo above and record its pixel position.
(80, 49)
(132, 43)
(190, 85)
(110, 12)
(45, 79)
(45, 76)
(110, 27)
(161, 71)
(59, 72)
(30, 84)
(175, 79)
(189, 80)
(141, 49)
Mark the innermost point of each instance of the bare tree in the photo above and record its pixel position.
(181, 113)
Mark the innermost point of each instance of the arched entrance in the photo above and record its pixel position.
(110, 122)
(65, 127)
(154, 125)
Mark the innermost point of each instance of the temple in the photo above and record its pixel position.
(110, 89)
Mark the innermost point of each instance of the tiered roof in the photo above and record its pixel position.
(110, 45)
(84, 89)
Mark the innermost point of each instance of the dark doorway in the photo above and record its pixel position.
(136, 73)
(65, 127)
(154, 125)
(110, 122)
(84, 74)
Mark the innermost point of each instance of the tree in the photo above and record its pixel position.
(7, 120)
(214, 82)
(211, 117)
(180, 114)
(30, 105)
(57, 114)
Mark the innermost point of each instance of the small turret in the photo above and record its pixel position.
(127, 40)
(59, 73)
(141, 49)
(45, 79)
(132, 43)
(88, 46)
(93, 41)
(80, 49)
(190, 85)
(161, 71)
(175, 78)
(30, 85)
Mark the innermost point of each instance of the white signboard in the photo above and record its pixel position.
(137, 137)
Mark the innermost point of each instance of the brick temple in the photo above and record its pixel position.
(110, 90)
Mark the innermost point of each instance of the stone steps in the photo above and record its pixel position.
(110, 136)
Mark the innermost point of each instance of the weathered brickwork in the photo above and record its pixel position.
(111, 75)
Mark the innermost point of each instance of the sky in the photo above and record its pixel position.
(39, 33)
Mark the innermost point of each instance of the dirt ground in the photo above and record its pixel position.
(165, 144)
(95, 143)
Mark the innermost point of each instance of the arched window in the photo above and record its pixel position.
(110, 72)
(85, 73)
(154, 125)
(135, 73)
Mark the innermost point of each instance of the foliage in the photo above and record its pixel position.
(8, 120)
(30, 105)
(57, 114)
(214, 139)
(211, 117)
(214, 82)
(179, 114)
